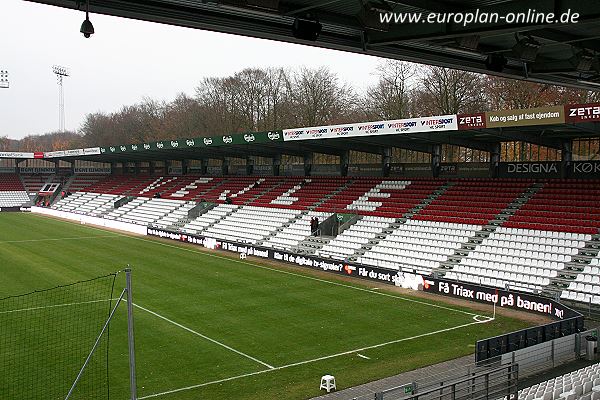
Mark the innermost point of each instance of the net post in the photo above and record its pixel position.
(130, 337)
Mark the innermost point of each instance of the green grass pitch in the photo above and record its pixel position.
(209, 326)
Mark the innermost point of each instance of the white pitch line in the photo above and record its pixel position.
(307, 361)
(57, 239)
(205, 337)
(54, 305)
(362, 356)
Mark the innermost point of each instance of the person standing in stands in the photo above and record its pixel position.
(316, 226)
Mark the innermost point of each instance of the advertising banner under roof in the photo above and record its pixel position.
(582, 112)
(392, 127)
(525, 117)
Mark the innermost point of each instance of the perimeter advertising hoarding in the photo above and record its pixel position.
(396, 278)
(502, 298)
(525, 117)
(408, 279)
(582, 112)
(393, 127)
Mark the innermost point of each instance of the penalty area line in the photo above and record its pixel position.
(231, 378)
(204, 337)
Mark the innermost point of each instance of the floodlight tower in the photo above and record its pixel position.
(61, 72)
(4, 79)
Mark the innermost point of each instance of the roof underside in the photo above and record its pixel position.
(560, 59)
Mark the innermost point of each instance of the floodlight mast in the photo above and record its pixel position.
(4, 83)
(61, 72)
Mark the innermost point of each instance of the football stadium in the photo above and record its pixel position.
(428, 257)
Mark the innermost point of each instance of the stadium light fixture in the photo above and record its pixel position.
(369, 16)
(61, 72)
(306, 29)
(86, 27)
(526, 49)
(496, 62)
(4, 83)
(583, 61)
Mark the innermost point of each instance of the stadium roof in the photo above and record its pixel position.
(545, 126)
(558, 53)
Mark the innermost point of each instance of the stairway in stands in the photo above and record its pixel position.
(485, 231)
(401, 220)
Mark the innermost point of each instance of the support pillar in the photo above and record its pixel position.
(151, 167)
(203, 166)
(136, 167)
(436, 157)
(56, 167)
(494, 160)
(225, 167)
(386, 161)
(566, 158)
(308, 163)
(276, 164)
(344, 163)
(184, 167)
(249, 165)
(167, 167)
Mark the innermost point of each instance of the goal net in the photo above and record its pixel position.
(46, 337)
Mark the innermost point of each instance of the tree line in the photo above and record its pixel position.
(260, 99)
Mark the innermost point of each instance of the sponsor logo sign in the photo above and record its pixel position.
(227, 139)
(15, 154)
(92, 170)
(249, 137)
(207, 141)
(471, 121)
(401, 126)
(525, 117)
(582, 112)
(274, 135)
(585, 169)
(502, 298)
(549, 169)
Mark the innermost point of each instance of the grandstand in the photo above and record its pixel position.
(502, 229)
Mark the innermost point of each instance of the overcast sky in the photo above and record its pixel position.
(126, 60)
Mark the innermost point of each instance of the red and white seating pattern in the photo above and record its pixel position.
(525, 255)
(12, 192)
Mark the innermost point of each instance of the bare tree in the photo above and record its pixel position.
(318, 98)
(448, 91)
(390, 97)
